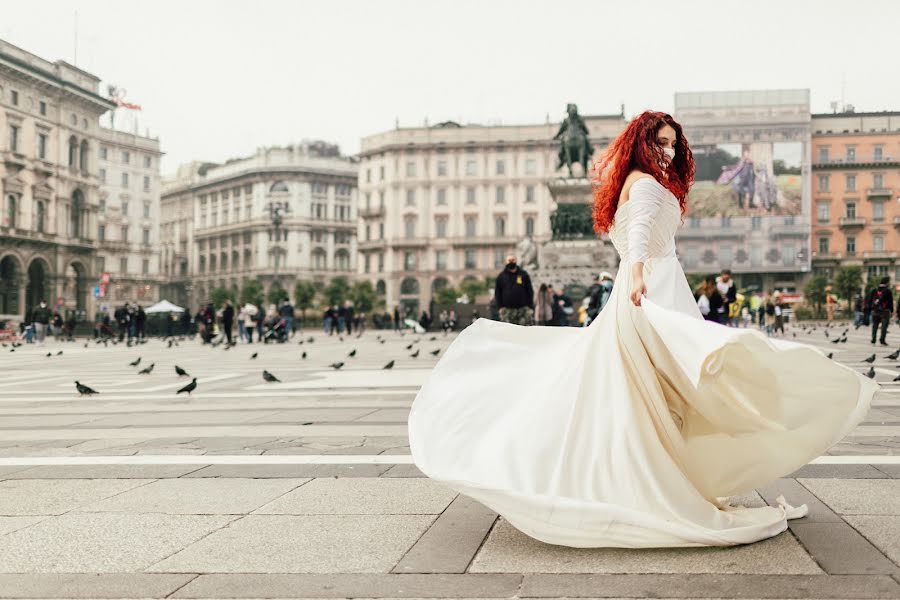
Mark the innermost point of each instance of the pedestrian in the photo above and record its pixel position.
(40, 317)
(778, 309)
(185, 322)
(397, 325)
(514, 294)
(348, 316)
(287, 313)
(563, 305)
(709, 300)
(121, 316)
(881, 301)
(57, 325)
(543, 306)
(260, 321)
(727, 289)
(140, 320)
(341, 318)
(858, 311)
(228, 321)
(425, 320)
(600, 295)
(242, 323)
(830, 304)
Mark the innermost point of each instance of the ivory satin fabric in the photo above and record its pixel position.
(632, 432)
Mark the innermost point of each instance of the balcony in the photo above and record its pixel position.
(712, 232)
(851, 222)
(885, 193)
(880, 255)
(896, 221)
(367, 245)
(856, 161)
(484, 240)
(371, 212)
(114, 245)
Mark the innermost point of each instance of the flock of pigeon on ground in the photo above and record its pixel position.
(842, 339)
(85, 390)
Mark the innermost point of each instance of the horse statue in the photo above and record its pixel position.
(575, 147)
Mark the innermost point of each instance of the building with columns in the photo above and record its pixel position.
(49, 189)
(128, 218)
(284, 214)
(444, 203)
(856, 190)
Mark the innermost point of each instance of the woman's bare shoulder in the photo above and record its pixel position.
(630, 180)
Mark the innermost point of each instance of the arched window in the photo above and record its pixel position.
(342, 260)
(12, 210)
(529, 226)
(77, 210)
(223, 260)
(380, 288)
(279, 186)
(73, 152)
(319, 258)
(40, 214)
(83, 156)
(500, 226)
(409, 285)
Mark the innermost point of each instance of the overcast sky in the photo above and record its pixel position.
(218, 78)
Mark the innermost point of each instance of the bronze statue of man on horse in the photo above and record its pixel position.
(575, 147)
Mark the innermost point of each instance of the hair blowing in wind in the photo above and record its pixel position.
(636, 149)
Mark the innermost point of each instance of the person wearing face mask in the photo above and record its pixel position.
(632, 432)
(41, 318)
(514, 294)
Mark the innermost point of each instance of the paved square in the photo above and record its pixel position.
(305, 488)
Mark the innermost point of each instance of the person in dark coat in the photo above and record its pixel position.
(228, 321)
(881, 301)
(514, 294)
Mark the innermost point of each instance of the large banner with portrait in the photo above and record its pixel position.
(747, 179)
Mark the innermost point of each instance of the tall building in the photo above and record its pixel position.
(749, 207)
(283, 215)
(856, 181)
(128, 219)
(445, 203)
(49, 140)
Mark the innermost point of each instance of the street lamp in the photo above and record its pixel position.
(276, 211)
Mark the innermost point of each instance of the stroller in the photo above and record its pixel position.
(275, 331)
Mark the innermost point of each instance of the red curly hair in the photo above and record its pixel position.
(636, 148)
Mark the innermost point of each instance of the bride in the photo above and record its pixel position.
(633, 431)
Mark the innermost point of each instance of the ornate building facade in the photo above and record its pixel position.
(283, 215)
(445, 203)
(50, 192)
(856, 189)
(128, 218)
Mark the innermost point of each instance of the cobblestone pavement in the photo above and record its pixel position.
(305, 488)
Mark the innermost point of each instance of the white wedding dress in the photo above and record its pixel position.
(632, 432)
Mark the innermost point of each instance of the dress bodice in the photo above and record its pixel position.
(645, 225)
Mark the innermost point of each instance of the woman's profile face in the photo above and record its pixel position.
(666, 137)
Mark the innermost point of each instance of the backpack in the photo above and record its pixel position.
(880, 301)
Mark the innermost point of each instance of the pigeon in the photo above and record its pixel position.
(893, 355)
(181, 372)
(84, 390)
(301, 342)
(254, 355)
(303, 356)
(380, 341)
(843, 340)
(409, 347)
(336, 365)
(836, 341)
(170, 343)
(59, 353)
(897, 378)
(435, 352)
(414, 354)
(310, 339)
(352, 353)
(189, 387)
(871, 359)
(269, 377)
(135, 363)
(49, 354)
(831, 355)
(341, 338)
(147, 370)
(871, 373)
(432, 338)
(390, 365)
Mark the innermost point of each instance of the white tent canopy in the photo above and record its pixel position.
(163, 306)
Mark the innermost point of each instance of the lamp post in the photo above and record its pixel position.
(276, 211)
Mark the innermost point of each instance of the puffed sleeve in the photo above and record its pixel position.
(646, 196)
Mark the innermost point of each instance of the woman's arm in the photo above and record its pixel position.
(646, 194)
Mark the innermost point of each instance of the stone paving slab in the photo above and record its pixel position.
(859, 497)
(351, 585)
(882, 531)
(507, 550)
(10, 524)
(699, 585)
(796, 495)
(197, 496)
(302, 544)
(363, 496)
(838, 472)
(46, 497)
(452, 541)
(104, 472)
(101, 543)
(94, 585)
(840, 550)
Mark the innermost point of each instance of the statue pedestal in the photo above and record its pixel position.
(575, 254)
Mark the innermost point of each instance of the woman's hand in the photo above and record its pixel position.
(638, 290)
